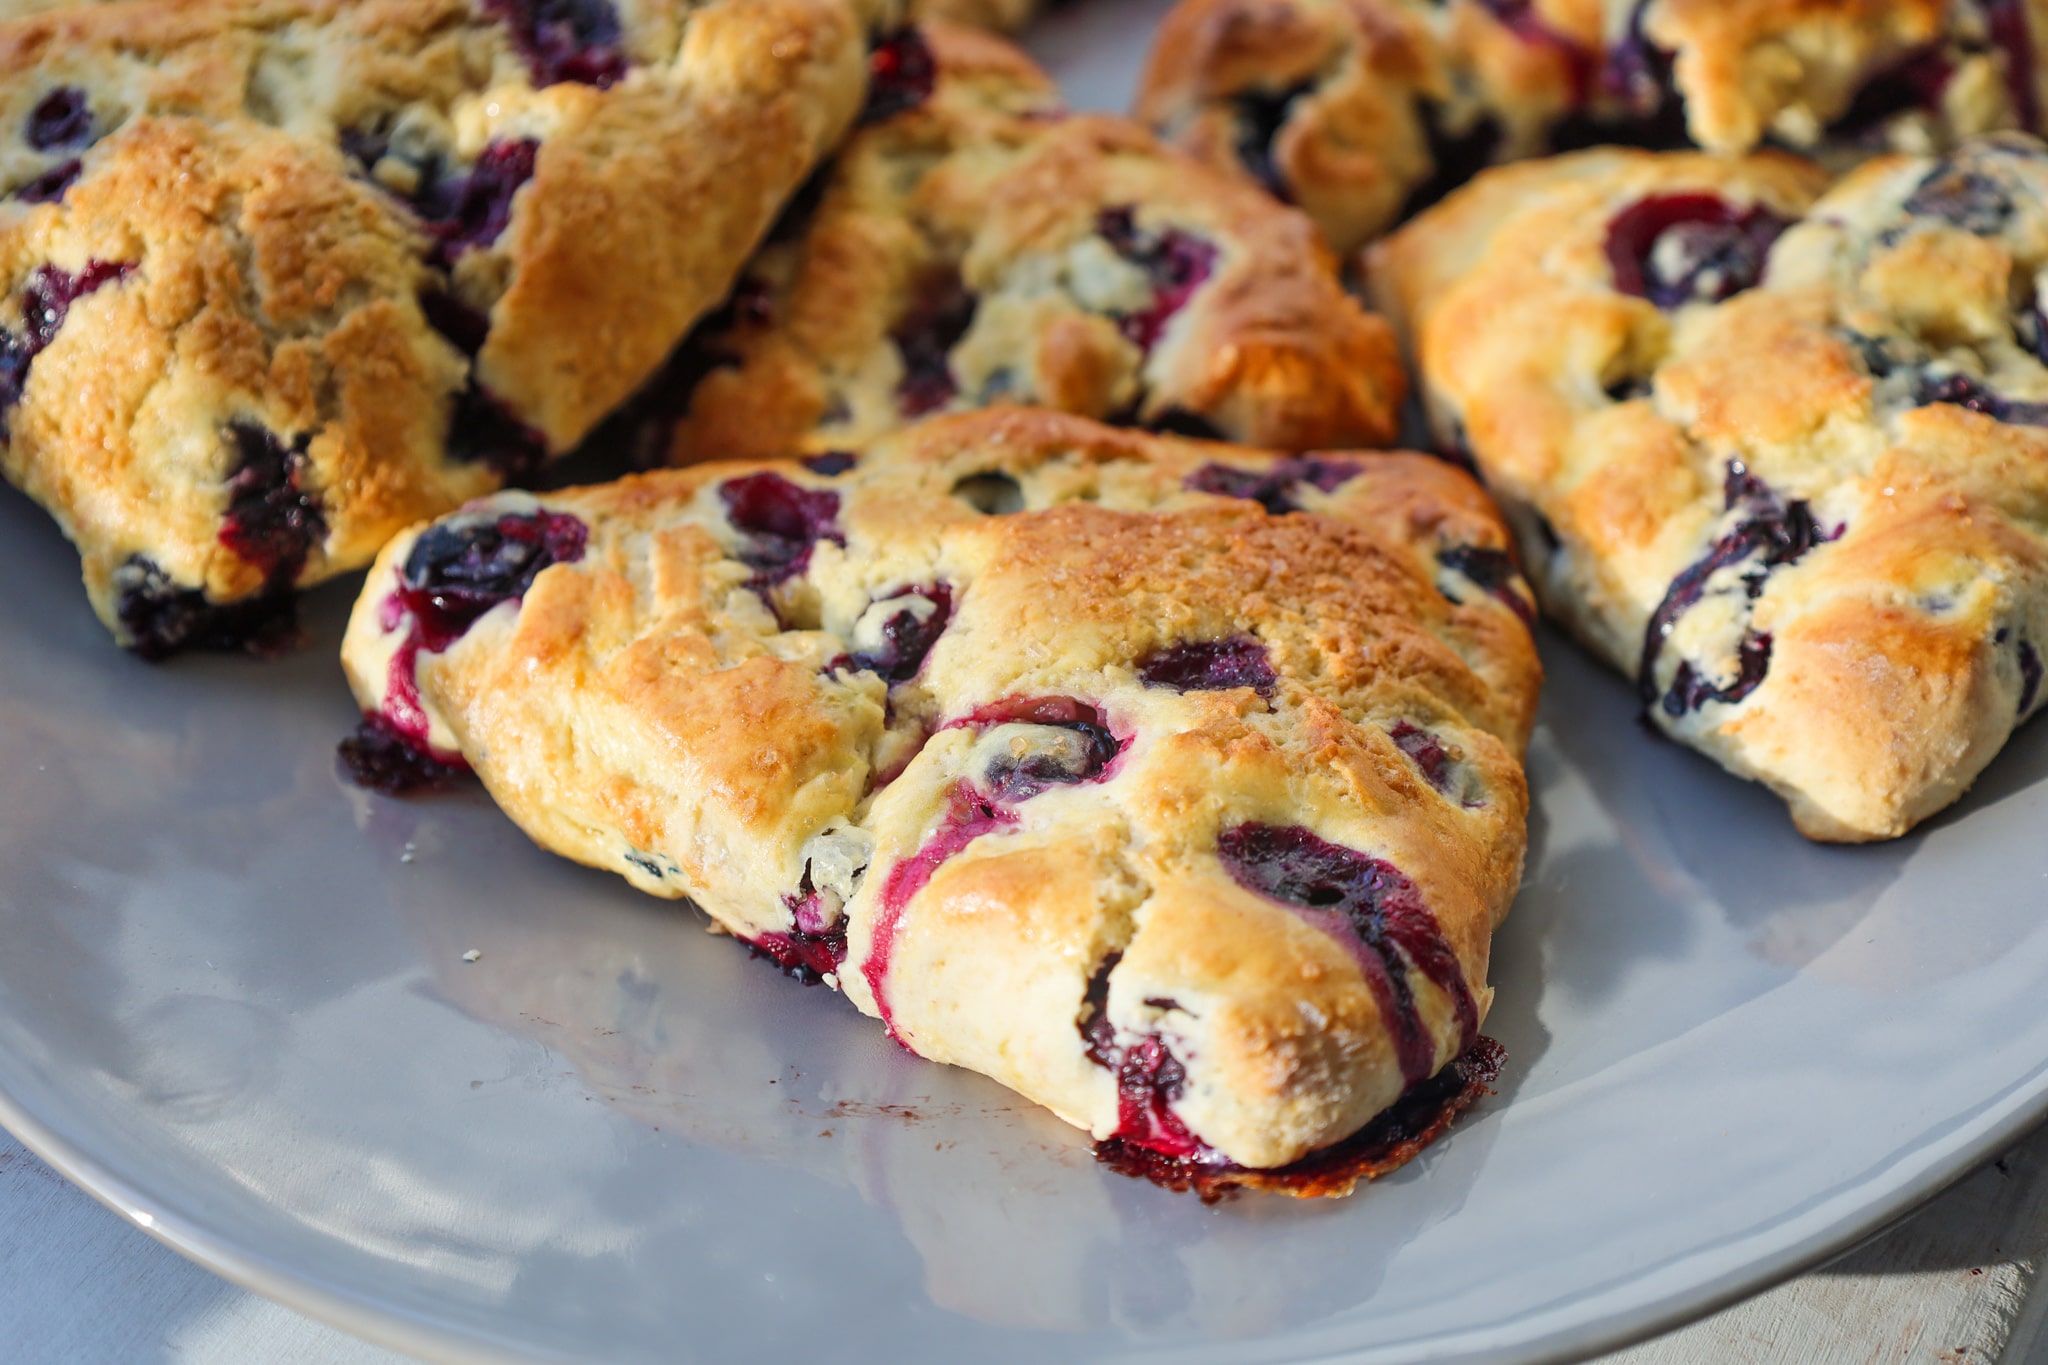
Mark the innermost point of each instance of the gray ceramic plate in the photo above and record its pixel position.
(233, 1004)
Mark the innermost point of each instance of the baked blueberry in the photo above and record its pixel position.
(1674, 249)
(1211, 666)
(925, 339)
(566, 40)
(895, 633)
(901, 74)
(1175, 262)
(62, 118)
(780, 522)
(1345, 891)
(273, 519)
(1275, 487)
(458, 570)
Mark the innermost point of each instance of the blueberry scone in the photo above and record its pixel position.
(280, 277)
(1365, 111)
(1781, 459)
(1172, 785)
(982, 246)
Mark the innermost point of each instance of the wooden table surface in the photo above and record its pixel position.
(1951, 1285)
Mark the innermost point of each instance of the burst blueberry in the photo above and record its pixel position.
(1674, 249)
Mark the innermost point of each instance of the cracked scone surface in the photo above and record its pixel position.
(1175, 786)
(981, 246)
(1364, 112)
(280, 277)
(1781, 458)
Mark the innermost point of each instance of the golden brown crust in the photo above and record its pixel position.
(1364, 111)
(1821, 499)
(984, 247)
(262, 169)
(642, 709)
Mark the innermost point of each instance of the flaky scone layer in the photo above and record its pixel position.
(1365, 111)
(983, 246)
(279, 277)
(1175, 786)
(1781, 458)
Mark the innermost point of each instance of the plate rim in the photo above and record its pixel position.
(386, 1324)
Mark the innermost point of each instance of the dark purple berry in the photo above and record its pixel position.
(1149, 1079)
(51, 292)
(1964, 198)
(1638, 73)
(831, 464)
(1690, 690)
(273, 519)
(1493, 571)
(925, 339)
(62, 118)
(1425, 750)
(1960, 390)
(814, 949)
(472, 210)
(781, 522)
(1674, 249)
(1340, 890)
(2030, 675)
(1098, 1035)
(49, 187)
(1915, 82)
(1211, 666)
(1275, 487)
(465, 328)
(365, 146)
(901, 75)
(1176, 262)
(908, 634)
(45, 302)
(377, 756)
(1085, 757)
(566, 40)
(458, 570)
(1769, 534)
(161, 618)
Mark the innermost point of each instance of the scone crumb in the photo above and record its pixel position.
(472, 955)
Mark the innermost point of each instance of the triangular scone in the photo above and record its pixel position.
(985, 247)
(1173, 785)
(1365, 111)
(280, 277)
(1782, 461)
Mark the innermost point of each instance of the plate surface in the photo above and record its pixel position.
(233, 1004)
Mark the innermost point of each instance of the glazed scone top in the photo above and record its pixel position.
(1783, 459)
(954, 754)
(983, 246)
